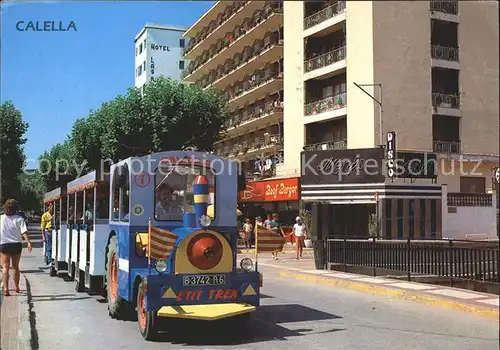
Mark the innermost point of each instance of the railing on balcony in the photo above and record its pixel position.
(325, 59)
(446, 146)
(469, 199)
(444, 53)
(253, 81)
(327, 104)
(446, 100)
(324, 14)
(257, 111)
(445, 6)
(259, 17)
(239, 60)
(214, 25)
(254, 144)
(328, 145)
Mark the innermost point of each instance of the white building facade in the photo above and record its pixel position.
(158, 52)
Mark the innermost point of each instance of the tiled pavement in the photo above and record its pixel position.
(287, 266)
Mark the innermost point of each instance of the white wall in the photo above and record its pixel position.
(469, 222)
(163, 52)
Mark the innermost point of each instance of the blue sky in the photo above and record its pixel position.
(53, 78)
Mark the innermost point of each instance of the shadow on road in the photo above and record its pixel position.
(263, 327)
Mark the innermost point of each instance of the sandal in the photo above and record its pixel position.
(18, 290)
(6, 293)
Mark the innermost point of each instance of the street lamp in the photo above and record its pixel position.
(1, 156)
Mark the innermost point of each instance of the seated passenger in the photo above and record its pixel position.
(168, 208)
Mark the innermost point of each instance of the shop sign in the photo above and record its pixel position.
(343, 166)
(391, 153)
(271, 191)
(414, 165)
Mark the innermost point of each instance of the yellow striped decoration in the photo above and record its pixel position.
(201, 198)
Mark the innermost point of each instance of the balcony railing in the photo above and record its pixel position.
(445, 6)
(327, 104)
(223, 43)
(324, 14)
(329, 145)
(444, 53)
(214, 25)
(250, 145)
(261, 110)
(446, 100)
(325, 59)
(252, 82)
(240, 60)
(470, 200)
(446, 146)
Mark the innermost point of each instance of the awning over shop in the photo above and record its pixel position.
(367, 193)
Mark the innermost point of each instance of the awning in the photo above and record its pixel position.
(367, 193)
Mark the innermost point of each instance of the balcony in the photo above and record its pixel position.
(446, 104)
(326, 64)
(249, 149)
(321, 22)
(269, 19)
(328, 145)
(449, 7)
(445, 57)
(264, 52)
(446, 147)
(255, 118)
(327, 108)
(224, 23)
(254, 87)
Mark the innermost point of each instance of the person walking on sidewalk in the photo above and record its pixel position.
(12, 230)
(46, 228)
(275, 226)
(248, 228)
(300, 232)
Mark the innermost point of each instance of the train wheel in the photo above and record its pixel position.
(80, 282)
(117, 307)
(52, 272)
(148, 322)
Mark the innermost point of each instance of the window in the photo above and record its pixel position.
(182, 43)
(388, 217)
(144, 44)
(102, 202)
(121, 188)
(400, 218)
(140, 48)
(181, 65)
(136, 51)
(174, 190)
(472, 184)
(139, 71)
(144, 65)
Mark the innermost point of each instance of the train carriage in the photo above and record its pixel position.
(57, 197)
(88, 222)
(165, 257)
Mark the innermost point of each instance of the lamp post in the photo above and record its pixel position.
(1, 156)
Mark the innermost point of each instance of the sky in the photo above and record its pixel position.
(54, 78)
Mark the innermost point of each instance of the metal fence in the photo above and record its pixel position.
(451, 259)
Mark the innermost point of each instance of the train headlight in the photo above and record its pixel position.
(246, 264)
(205, 221)
(161, 266)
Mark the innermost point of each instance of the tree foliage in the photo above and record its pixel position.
(168, 115)
(12, 139)
(32, 190)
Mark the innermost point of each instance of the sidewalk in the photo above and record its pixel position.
(289, 248)
(14, 318)
(441, 296)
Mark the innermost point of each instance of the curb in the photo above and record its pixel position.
(396, 293)
(24, 332)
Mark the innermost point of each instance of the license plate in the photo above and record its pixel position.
(204, 280)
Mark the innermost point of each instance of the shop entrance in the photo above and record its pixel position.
(348, 220)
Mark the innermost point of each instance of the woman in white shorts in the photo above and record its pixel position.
(300, 232)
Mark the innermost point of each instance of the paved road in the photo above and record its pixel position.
(294, 314)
